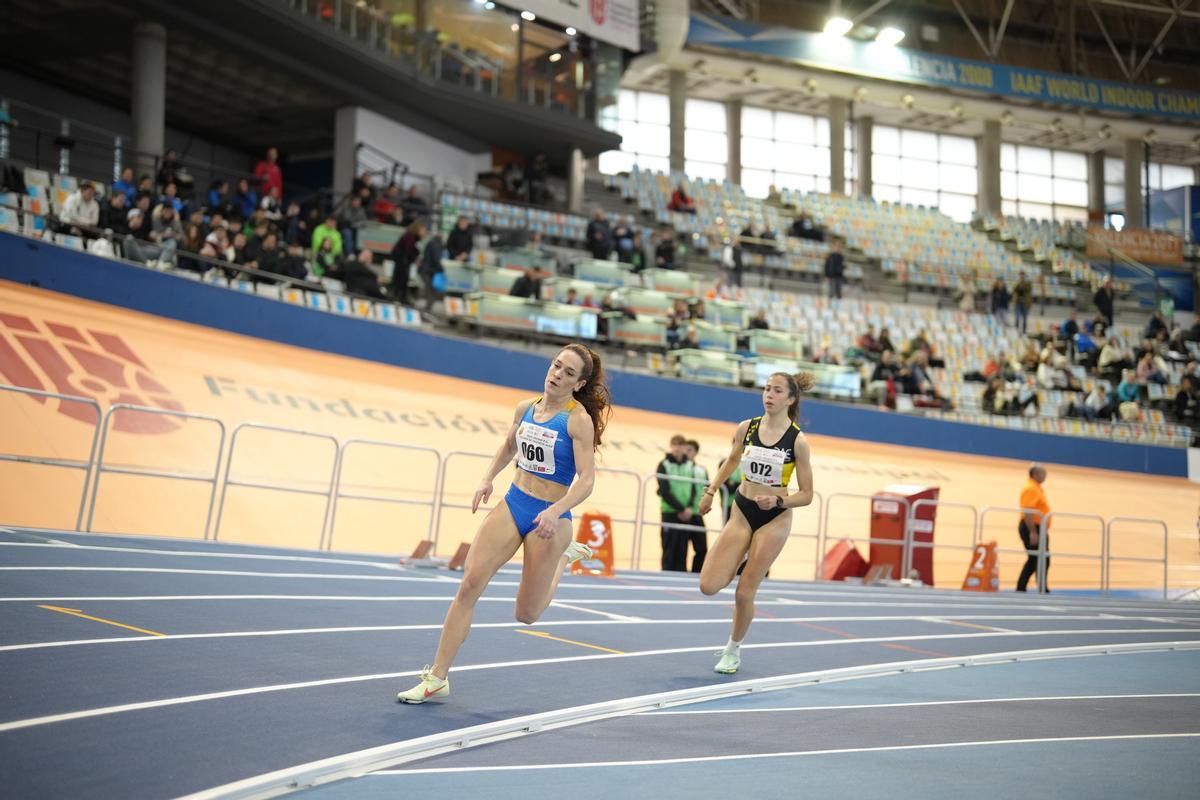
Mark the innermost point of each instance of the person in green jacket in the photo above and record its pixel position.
(678, 495)
(326, 230)
(696, 532)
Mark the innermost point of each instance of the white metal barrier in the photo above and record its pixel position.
(903, 543)
(86, 466)
(913, 545)
(1108, 532)
(100, 469)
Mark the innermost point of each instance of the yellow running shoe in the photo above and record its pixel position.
(728, 664)
(430, 686)
(577, 551)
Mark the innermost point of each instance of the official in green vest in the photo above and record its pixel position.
(679, 497)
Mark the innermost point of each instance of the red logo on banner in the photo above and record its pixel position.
(599, 10)
(61, 358)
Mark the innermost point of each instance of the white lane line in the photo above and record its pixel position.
(202, 554)
(609, 615)
(924, 703)
(172, 701)
(616, 620)
(792, 753)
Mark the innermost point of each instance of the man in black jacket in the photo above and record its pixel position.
(835, 269)
(664, 254)
(527, 285)
(459, 242)
(1103, 298)
(599, 235)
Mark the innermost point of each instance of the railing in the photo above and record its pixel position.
(334, 491)
(636, 556)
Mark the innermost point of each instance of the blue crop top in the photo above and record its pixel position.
(545, 449)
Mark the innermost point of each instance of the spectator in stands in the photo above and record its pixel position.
(220, 199)
(460, 241)
(1087, 353)
(358, 277)
(1000, 300)
(920, 381)
(589, 302)
(1068, 330)
(885, 380)
(1030, 357)
(166, 231)
(170, 197)
(237, 247)
(1127, 389)
(622, 236)
(352, 218)
(145, 186)
(115, 213)
(1103, 299)
(599, 235)
(1155, 324)
(835, 269)
(386, 204)
(431, 267)
(192, 242)
(272, 205)
(537, 172)
(81, 209)
(262, 252)
(513, 179)
(732, 264)
(1098, 405)
(216, 244)
(681, 202)
(698, 309)
(414, 207)
(664, 253)
(773, 196)
(885, 340)
(140, 245)
(1187, 400)
(1148, 372)
(869, 343)
(1027, 395)
(268, 174)
(572, 298)
(1022, 300)
(125, 185)
(527, 285)
(675, 499)
(637, 255)
(404, 254)
(169, 169)
(759, 321)
(295, 227)
(245, 200)
(803, 227)
(995, 398)
(325, 257)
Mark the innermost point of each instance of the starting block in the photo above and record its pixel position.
(843, 561)
(878, 575)
(421, 556)
(459, 559)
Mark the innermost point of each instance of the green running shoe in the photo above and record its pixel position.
(728, 664)
(430, 686)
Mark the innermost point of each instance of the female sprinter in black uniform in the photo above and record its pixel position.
(554, 438)
(769, 449)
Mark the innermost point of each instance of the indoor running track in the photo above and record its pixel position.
(152, 668)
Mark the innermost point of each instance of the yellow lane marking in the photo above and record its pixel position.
(544, 635)
(968, 624)
(75, 612)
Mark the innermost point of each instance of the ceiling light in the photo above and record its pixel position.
(838, 26)
(528, 16)
(1006, 118)
(1150, 136)
(810, 85)
(1105, 132)
(908, 100)
(555, 57)
(860, 92)
(515, 27)
(1056, 125)
(489, 5)
(956, 111)
(889, 36)
(571, 31)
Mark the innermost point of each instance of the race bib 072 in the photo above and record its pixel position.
(763, 465)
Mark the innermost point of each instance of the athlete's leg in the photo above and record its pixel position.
(541, 572)
(764, 549)
(495, 543)
(722, 560)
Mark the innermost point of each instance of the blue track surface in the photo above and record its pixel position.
(273, 659)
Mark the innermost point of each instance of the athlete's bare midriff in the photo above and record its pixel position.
(537, 487)
(749, 490)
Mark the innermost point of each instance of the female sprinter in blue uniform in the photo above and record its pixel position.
(770, 449)
(554, 438)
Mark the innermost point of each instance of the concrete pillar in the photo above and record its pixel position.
(988, 168)
(838, 108)
(1096, 186)
(345, 138)
(678, 101)
(733, 129)
(575, 175)
(863, 127)
(1134, 150)
(148, 93)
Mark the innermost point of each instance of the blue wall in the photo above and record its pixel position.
(104, 280)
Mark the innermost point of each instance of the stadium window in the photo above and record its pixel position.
(643, 120)
(784, 149)
(925, 169)
(1041, 183)
(1162, 177)
(705, 140)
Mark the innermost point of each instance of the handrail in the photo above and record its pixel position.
(54, 462)
(903, 543)
(912, 519)
(637, 554)
(1043, 539)
(100, 469)
(226, 483)
(1108, 528)
(327, 530)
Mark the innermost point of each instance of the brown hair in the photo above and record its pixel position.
(678, 439)
(800, 382)
(594, 395)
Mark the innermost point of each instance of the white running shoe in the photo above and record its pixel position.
(577, 551)
(430, 686)
(728, 664)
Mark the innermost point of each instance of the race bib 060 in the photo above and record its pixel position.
(535, 449)
(763, 465)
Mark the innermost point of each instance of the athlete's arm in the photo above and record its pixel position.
(508, 449)
(730, 464)
(804, 477)
(579, 426)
